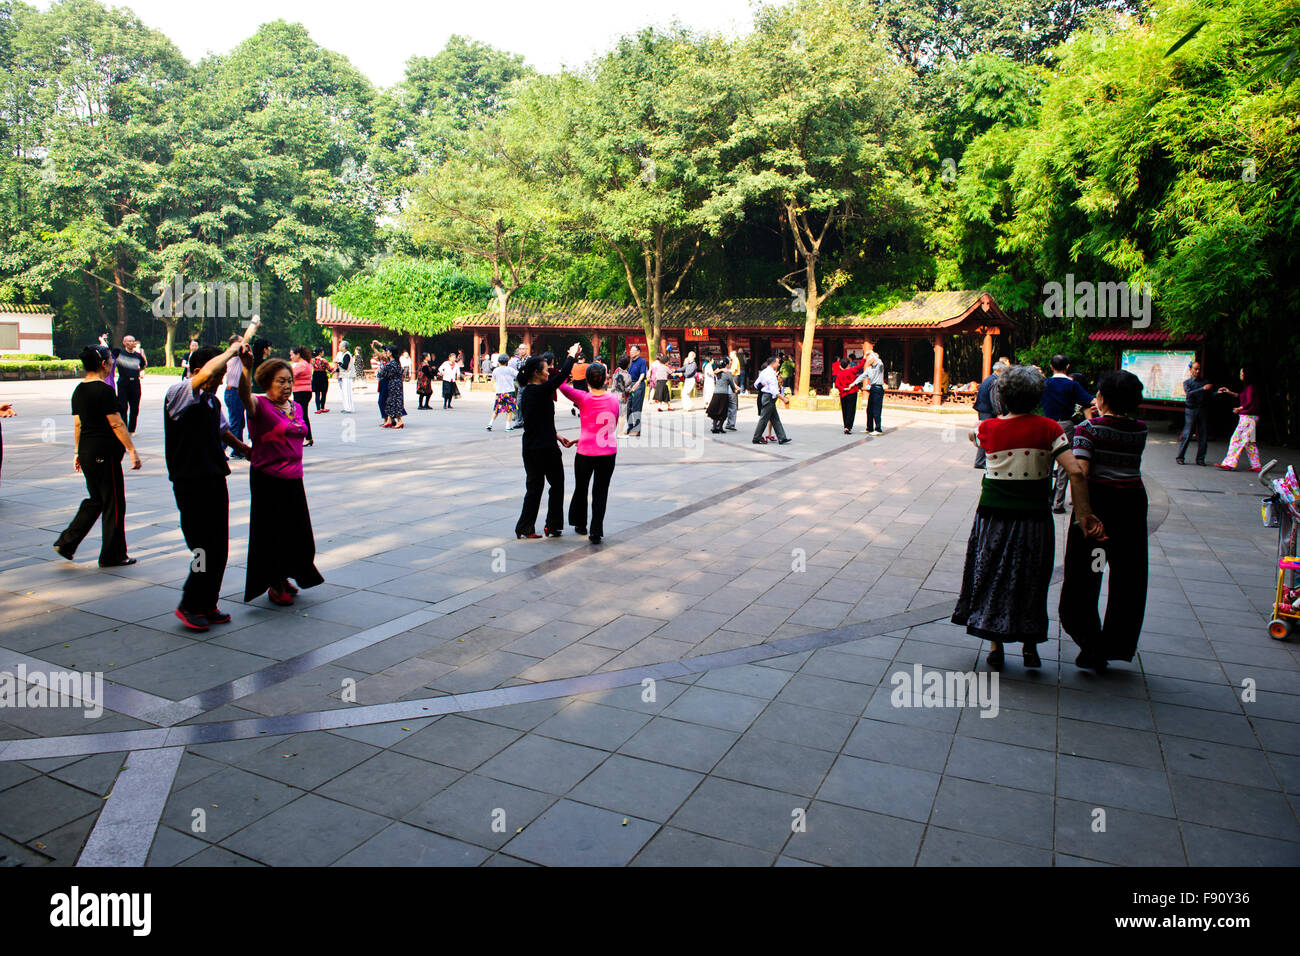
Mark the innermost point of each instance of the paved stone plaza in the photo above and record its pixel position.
(763, 596)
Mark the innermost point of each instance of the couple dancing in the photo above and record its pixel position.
(543, 464)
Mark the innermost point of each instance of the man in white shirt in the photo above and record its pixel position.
(769, 393)
(234, 406)
(873, 376)
(347, 366)
(505, 379)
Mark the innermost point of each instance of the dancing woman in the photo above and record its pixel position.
(597, 446)
(390, 377)
(542, 461)
(302, 373)
(280, 540)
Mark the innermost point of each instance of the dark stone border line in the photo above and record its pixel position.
(165, 737)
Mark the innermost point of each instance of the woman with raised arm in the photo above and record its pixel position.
(542, 462)
(280, 540)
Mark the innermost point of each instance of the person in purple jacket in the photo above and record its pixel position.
(1245, 437)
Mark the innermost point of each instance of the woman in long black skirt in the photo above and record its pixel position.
(281, 545)
(1109, 448)
(1013, 541)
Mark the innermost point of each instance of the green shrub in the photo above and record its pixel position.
(26, 357)
(56, 365)
(163, 370)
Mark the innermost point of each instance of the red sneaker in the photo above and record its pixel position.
(194, 622)
(217, 616)
(284, 600)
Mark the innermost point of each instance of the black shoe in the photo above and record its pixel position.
(784, 441)
(194, 622)
(64, 554)
(1089, 662)
(1180, 461)
(995, 660)
(125, 562)
(1031, 657)
(594, 538)
(731, 428)
(1201, 463)
(758, 441)
(577, 530)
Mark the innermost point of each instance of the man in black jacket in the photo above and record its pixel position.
(542, 461)
(194, 428)
(1196, 414)
(986, 402)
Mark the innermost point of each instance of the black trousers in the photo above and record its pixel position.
(1124, 513)
(767, 414)
(875, 403)
(980, 457)
(542, 466)
(320, 386)
(128, 402)
(204, 505)
(1195, 420)
(107, 503)
(585, 467)
(849, 409)
(304, 402)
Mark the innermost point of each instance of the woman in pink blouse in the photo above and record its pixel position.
(597, 445)
(280, 540)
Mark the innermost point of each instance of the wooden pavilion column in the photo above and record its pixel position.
(988, 354)
(337, 336)
(477, 367)
(937, 340)
(907, 359)
(798, 357)
(414, 347)
(528, 340)
(595, 346)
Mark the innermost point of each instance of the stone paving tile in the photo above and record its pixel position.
(403, 845)
(990, 761)
(480, 810)
(680, 744)
(673, 847)
(230, 800)
(593, 725)
(310, 831)
(715, 708)
(642, 788)
(390, 784)
(1210, 846)
(308, 760)
(42, 805)
(575, 834)
(953, 848)
(541, 763)
(1129, 838)
(880, 787)
(1233, 807)
(740, 813)
(985, 809)
(844, 836)
(458, 742)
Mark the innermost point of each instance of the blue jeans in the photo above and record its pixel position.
(1194, 420)
(235, 412)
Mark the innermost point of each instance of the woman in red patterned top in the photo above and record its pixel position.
(1012, 544)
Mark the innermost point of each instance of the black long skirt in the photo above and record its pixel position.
(1008, 571)
(280, 540)
(719, 405)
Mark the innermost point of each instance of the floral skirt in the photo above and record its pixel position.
(505, 403)
(1008, 570)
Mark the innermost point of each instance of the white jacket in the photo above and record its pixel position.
(351, 370)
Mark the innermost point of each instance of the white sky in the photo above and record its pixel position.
(379, 35)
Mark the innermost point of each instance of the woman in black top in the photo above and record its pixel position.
(100, 437)
(542, 461)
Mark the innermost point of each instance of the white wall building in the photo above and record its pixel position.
(26, 328)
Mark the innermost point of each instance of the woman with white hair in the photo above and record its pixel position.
(1012, 544)
(688, 382)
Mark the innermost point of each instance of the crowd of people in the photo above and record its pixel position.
(1038, 436)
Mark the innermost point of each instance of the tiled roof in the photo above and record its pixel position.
(925, 310)
(327, 313)
(1147, 336)
(13, 308)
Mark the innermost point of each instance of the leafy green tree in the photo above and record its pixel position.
(412, 296)
(826, 130)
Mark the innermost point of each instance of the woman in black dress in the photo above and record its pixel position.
(424, 381)
(101, 438)
(542, 461)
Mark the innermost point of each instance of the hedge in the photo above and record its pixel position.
(26, 357)
(67, 365)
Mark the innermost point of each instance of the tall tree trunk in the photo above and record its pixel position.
(809, 326)
(306, 295)
(119, 276)
(169, 350)
(92, 286)
(503, 301)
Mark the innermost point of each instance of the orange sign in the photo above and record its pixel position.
(697, 335)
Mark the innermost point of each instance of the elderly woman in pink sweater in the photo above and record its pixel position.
(597, 445)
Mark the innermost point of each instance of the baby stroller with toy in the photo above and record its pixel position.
(1281, 510)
